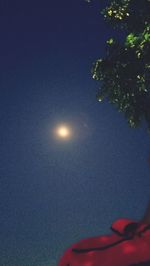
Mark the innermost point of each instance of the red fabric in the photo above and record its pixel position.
(125, 253)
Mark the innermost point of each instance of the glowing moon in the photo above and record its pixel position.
(63, 132)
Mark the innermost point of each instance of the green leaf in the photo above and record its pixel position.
(110, 41)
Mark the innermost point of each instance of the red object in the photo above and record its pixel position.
(128, 245)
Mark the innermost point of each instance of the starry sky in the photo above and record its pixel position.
(55, 192)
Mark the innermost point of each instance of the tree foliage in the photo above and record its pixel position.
(124, 72)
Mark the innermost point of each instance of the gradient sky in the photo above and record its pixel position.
(53, 192)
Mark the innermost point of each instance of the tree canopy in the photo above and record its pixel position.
(124, 71)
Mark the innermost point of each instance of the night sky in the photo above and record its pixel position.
(54, 191)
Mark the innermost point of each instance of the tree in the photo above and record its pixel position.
(124, 72)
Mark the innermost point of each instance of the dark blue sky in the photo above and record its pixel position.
(53, 193)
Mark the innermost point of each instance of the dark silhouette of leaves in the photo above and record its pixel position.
(124, 72)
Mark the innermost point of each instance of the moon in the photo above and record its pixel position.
(63, 132)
